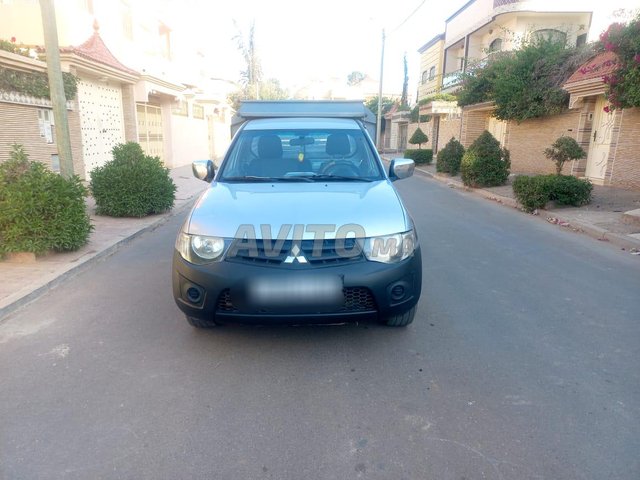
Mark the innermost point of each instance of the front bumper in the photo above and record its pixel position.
(370, 290)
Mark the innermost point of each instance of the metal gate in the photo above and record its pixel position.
(150, 129)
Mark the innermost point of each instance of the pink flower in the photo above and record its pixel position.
(607, 109)
(609, 46)
(636, 58)
(13, 39)
(606, 79)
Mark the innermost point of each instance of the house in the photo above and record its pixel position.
(477, 30)
(27, 117)
(611, 137)
(132, 85)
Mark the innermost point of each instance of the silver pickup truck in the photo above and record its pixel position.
(301, 224)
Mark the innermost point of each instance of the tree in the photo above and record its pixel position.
(387, 104)
(418, 138)
(404, 102)
(252, 74)
(623, 84)
(270, 89)
(563, 149)
(354, 78)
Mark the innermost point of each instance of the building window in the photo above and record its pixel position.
(180, 108)
(198, 111)
(581, 40)
(425, 77)
(45, 124)
(432, 73)
(549, 35)
(55, 163)
(496, 45)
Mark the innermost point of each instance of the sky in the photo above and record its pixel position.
(299, 41)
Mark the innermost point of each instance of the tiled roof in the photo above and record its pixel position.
(599, 66)
(94, 49)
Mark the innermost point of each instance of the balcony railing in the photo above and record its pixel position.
(500, 3)
(451, 79)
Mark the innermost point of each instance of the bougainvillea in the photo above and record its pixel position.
(623, 84)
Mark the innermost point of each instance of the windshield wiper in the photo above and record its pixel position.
(327, 176)
(255, 178)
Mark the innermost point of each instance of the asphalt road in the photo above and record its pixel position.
(523, 363)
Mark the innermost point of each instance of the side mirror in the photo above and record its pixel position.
(203, 170)
(401, 168)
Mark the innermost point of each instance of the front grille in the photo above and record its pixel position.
(356, 299)
(296, 253)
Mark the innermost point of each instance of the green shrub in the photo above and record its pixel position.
(419, 156)
(485, 164)
(39, 209)
(563, 149)
(535, 192)
(569, 190)
(418, 138)
(449, 157)
(132, 184)
(531, 192)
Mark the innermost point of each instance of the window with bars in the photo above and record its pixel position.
(198, 111)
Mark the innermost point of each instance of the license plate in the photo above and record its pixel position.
(291, 292)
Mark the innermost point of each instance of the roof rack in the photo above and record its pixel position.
(252, 109)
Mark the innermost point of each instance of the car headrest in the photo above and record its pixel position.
(269, 146)
(338, 144)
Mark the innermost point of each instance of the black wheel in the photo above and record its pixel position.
(401, 320)
(200, 323)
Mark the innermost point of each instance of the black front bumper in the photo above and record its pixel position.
(371, 291)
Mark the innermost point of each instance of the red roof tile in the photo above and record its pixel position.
(95, 49)
(599, 66)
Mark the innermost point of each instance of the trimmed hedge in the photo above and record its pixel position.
(424, 155)
(39, 209)
(535, 192)
(450, 157)
(132, 184)
(485, 163)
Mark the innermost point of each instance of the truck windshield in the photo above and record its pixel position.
(301, 155)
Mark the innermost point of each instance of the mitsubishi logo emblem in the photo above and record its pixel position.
(296, 254)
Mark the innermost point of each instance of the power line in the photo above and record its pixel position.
(410, 15)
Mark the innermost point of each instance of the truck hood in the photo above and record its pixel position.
(232, 210)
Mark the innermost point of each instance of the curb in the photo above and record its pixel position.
(601, 234)
(88, 261)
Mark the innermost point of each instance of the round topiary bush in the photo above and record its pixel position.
(449, 157)
(132, 184)
(39, 209)
(419, 156)
(485, 163)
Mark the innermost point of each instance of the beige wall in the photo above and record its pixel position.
(189, 139)
(432, 57)
(474, 122)
(625, 165)
(20, 125)
(449, 127)
(526, 141)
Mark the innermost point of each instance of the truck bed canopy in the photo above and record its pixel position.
(251, 109)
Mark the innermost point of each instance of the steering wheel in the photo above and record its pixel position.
(342, 168)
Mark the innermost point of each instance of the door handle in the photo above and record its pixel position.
(595, 132)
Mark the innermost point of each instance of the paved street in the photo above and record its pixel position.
(523, 363)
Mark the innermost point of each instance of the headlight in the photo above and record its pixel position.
(200, 249)
(390, 248)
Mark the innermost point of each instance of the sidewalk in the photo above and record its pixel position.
(612, 216)
(23, 282)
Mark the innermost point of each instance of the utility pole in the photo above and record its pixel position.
(379, 122)
(56, 87)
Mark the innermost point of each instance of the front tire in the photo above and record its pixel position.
(401, 320)
(200, 323)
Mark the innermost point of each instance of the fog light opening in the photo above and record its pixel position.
(398, 292)
(194, 295)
